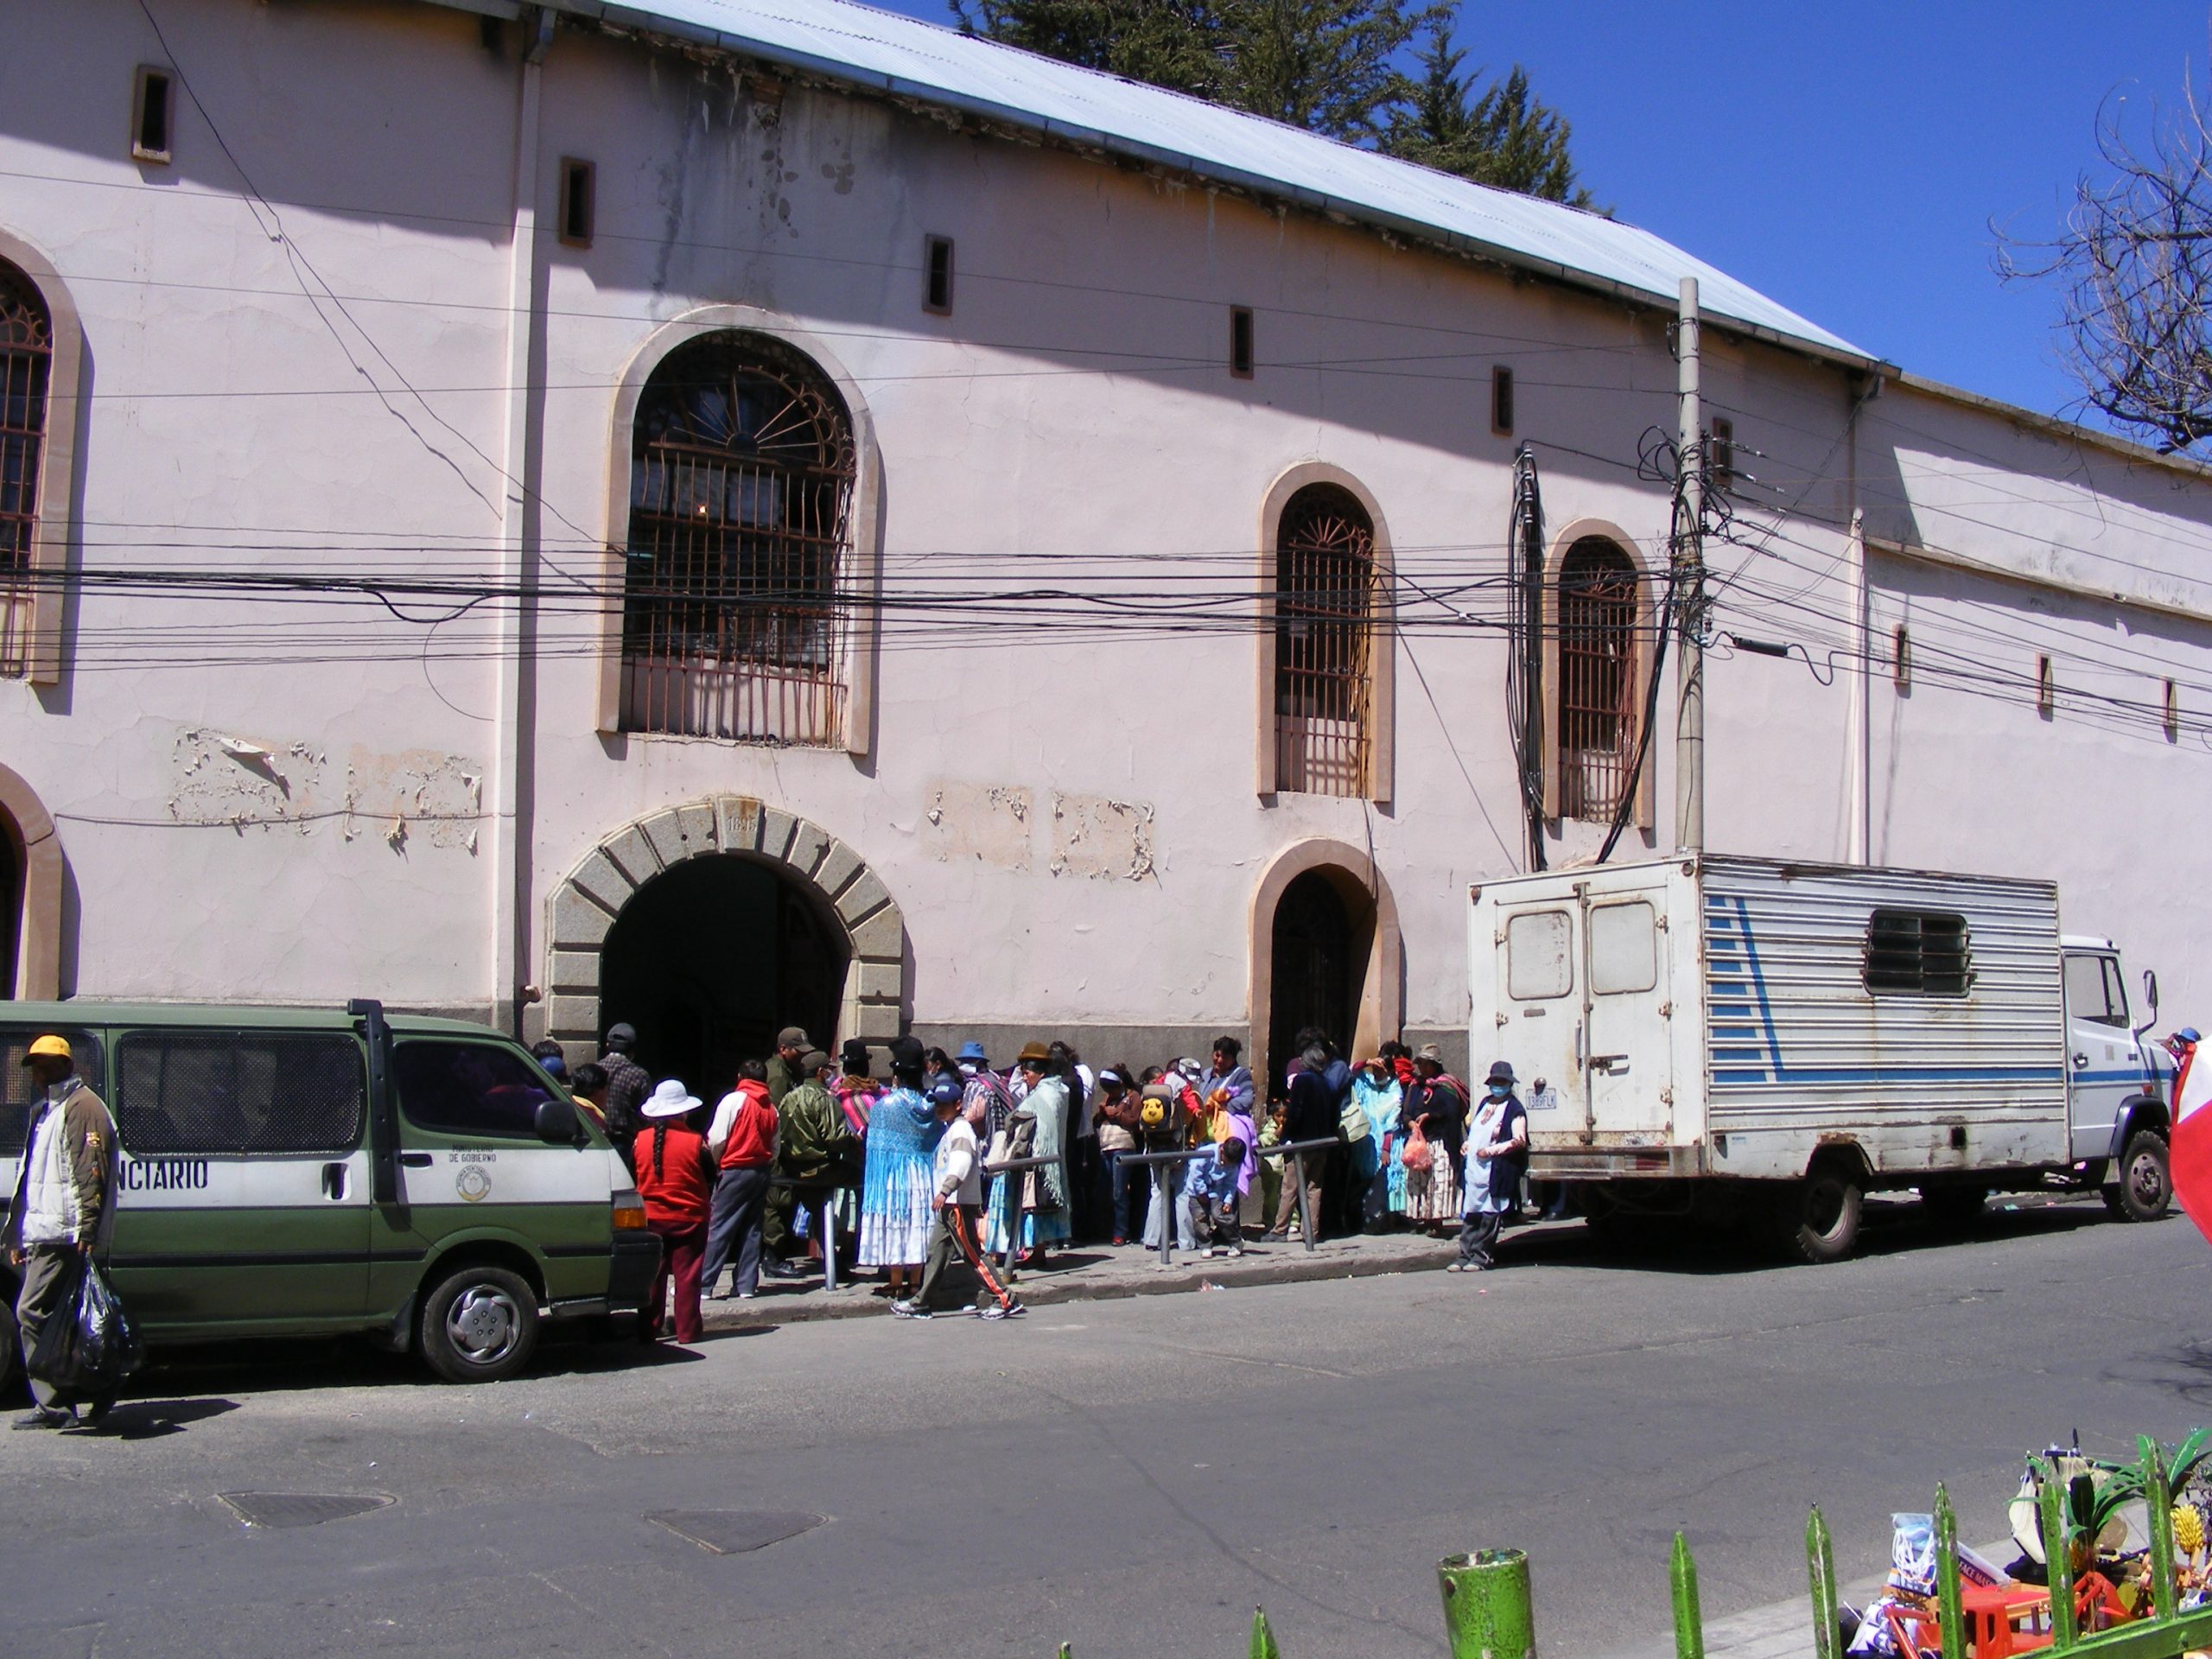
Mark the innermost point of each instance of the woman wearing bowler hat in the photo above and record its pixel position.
(1497, 1151)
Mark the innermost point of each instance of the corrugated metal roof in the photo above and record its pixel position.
(904, 55)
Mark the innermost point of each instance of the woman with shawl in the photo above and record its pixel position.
(1041, 1121)
(897, 1184)
(1379, 1159)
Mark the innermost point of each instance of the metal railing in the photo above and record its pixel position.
(1298, 1149)
(1488, 1612)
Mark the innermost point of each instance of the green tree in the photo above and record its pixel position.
(1329, 65)
(1503, 137)
(1183, 45)
(1332, 67)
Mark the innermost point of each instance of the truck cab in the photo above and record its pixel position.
(2117, 1087)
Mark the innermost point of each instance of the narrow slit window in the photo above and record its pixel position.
(937, 292)
(2173, 713)
(1501, 401)
(1723, 468)
(1240, 341)
(2046, 688)
(579, 189)
(151, 109)
(1918, 953)
(1901, 659)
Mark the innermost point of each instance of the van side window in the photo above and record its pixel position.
(232, 1093)
(1538, 960)
(469, 1089)
(18, 1094)
(1923, 952)
(2093, 991)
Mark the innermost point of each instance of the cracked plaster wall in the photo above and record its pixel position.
(1119, 896)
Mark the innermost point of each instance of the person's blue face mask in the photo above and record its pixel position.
(1500, 1091)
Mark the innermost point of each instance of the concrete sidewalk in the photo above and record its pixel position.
(1100, 1272)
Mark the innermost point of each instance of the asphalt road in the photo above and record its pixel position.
(1132, 1476)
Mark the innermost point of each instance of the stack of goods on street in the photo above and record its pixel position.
(2110, 1572)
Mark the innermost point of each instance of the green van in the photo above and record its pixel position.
(298, 1172)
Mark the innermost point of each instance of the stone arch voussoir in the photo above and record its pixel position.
(582, 906)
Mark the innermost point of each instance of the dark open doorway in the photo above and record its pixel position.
(710, 959)
(1321, 960)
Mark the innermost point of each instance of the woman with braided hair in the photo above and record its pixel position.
(676, 1178)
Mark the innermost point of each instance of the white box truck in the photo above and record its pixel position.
(1758, 1041)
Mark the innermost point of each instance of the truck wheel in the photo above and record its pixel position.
(1953, 1207)
(479, 1326)
(1817, 1218)
(2144, 1187)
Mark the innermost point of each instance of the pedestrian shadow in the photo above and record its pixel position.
(155, 1420)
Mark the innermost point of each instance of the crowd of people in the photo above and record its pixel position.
(948, 1162)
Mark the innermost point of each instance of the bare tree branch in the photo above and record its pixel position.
(2134, 264)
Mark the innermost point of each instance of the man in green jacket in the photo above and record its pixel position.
(817, 1146)
(787, 1068)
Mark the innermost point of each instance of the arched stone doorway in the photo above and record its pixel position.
(1325, 951)
(668, 913)
(31, 878)
(710, 959)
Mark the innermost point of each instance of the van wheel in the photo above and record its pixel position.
(2145, 1187)
(479, 1326)
(1953, 1208)
(1817, 1220)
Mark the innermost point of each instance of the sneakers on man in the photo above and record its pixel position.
(1010, 1311)
(45, 1417)
(910, 1310)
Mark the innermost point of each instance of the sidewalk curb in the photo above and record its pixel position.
(854, 1301)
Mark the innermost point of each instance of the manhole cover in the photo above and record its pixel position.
(302, 1509)
(734, 1532)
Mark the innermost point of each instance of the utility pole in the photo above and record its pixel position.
(1860, 830)
(1688, 559)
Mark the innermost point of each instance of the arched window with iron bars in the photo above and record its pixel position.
(1325, 605)
(1597, 714)
(734, 620)
(26, 367)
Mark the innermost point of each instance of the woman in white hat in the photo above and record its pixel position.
(676, 1178)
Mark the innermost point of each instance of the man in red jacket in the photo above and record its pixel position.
(742, 1142)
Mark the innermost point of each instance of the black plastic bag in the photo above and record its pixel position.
(90, 1346)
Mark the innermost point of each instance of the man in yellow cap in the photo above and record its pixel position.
(64, 1209)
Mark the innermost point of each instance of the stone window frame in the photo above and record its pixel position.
(1646, 620)
(866, 579)
(1383, 644)
(57, 529)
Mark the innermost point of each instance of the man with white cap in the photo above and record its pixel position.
(64, 1210)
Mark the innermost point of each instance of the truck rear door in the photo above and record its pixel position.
(1586, 982)
(1629, 1054)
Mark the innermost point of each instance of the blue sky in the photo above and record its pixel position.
(1848, 159)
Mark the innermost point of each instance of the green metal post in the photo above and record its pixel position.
(2057, 1555)
(2158, 1503)
(1950, 1606)
(1819, 1562)
(1263, 1639)
(1690, 1621)
(1487, 1612)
